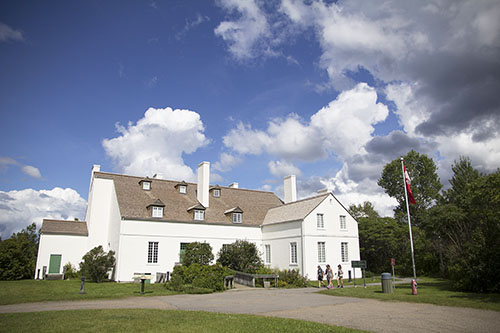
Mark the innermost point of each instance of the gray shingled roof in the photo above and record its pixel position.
(133, 201)
(61, 227)
(293, 211)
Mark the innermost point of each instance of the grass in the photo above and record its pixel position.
(147, 320)
(25, 291)
(430, 290)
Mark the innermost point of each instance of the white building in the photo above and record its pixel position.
(149, 221)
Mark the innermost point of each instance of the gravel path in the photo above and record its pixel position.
(305, 304)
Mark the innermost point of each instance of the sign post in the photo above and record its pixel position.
(393, 263)
(359, 264)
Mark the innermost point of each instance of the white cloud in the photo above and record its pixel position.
(7, 33)
(156, 143)
(226, 162)
(191, 24)
(341, 128)
(283, 168)
(19, 209)
(31, 171)
(243, 33)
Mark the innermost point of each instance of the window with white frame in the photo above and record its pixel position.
(216, 193)
(146, 186)
(157, 211)
(321, 252)
(320, 222)
(237, 217)
(152, 252)
(344, 253)
(293, 253)
(268, 253)
(182, 249)
(343, 224)
(182, 189)
(199, 215)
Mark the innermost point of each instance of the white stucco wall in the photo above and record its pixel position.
(279, 236)
(332, 235)
(135, 236)
(71, 249)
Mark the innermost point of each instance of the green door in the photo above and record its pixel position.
(55, 264)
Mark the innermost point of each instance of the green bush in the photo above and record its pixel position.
(197, 253)
(242, 256)
(96, 264)
(197, 278)
(70, 271)
(287, 278)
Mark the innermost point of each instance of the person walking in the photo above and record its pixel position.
(329, 276)
(320, 276)
(340, 277)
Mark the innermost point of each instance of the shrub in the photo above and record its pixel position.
(197, 278)
(241, 256)
(96, 264)
(197, 253)
(70, 271)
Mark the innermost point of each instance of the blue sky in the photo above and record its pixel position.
(330, 91)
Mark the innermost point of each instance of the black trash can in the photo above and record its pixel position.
(386, 283)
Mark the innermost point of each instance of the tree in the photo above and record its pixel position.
(18, 254)
(363, 210)
(197, 253)
(96, 264)
(463, 176)
(425, 185)
(241, 256)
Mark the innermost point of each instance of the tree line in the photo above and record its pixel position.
(456, 232)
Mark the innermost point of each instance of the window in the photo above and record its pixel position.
(320, 223)
(344, 254)
(293, 253)
(157, 211)
(321, 252)
(268, 253)
(182, 189)
(343, 224)
(237, 217)
(146, 186)
(182, 250)
(216, 193)
(152, 252)
(199, 215)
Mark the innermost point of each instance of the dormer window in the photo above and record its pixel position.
(182, 187)
(216, 193)
(237, 217)
(146, 184)
(157, 209)
(236, 214)
(198, 212)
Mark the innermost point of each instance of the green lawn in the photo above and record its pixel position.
(26, 291)
(147, 320)
(430, 290)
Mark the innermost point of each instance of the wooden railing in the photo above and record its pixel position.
(248, 279)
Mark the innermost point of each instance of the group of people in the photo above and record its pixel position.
(329, 276)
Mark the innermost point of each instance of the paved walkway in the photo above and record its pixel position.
(305, 304)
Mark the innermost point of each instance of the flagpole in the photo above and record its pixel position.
(409, 221)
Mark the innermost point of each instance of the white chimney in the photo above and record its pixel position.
(96, 168)
(158, 176)
(203, 183)
(233, 185)
(290, 189)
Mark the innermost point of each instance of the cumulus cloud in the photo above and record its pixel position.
(156, 143)
(29, 170)
(226, 162)
(283, 168)
(19, 209)
(9, 34)
(243, 33)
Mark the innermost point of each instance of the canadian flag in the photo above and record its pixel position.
(408, 189)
